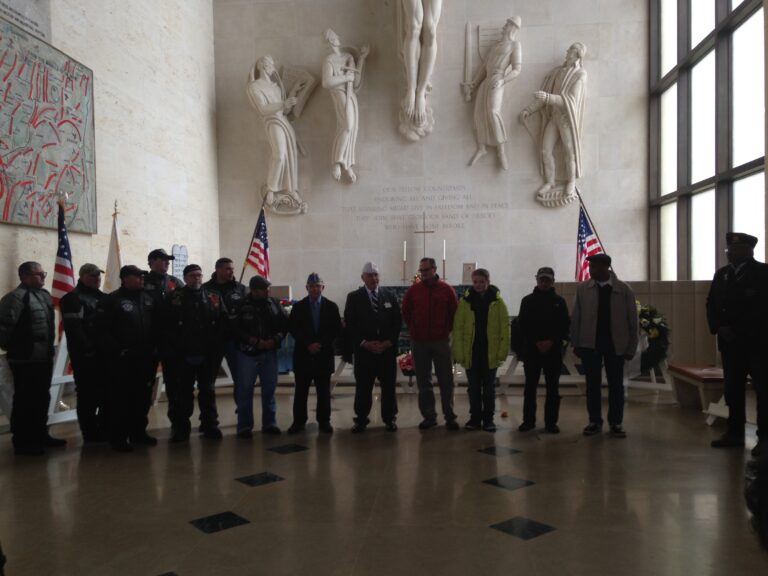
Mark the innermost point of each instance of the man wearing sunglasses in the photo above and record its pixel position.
(27, 335)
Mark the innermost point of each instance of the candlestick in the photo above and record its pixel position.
(405, 251)
(443, 250)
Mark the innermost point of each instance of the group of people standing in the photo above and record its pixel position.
(117, 341)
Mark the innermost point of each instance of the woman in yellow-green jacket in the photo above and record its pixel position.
(480, 345)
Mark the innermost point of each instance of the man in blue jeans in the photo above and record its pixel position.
(604, 331)
(260, 326)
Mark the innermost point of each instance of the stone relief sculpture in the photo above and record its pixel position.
(417, 24)
(274, 98)
(342, 77)
(500, 66)
(556, 115)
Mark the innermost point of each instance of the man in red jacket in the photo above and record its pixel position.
(428, 309)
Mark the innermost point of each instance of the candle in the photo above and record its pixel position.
(443, 249)
(405, 253)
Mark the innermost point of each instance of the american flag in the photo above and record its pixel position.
(63, 271)
(258, 254)
(587, 244)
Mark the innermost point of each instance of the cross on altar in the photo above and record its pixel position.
(424, 231)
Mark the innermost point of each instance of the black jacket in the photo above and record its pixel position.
(303, 331)
(193, 322)
(261, 319)
(158, 285)
(125, 324)
(362, 324)
(231, 293)
(543, 316)
(740, 302)
(27, 325)
(78, 310)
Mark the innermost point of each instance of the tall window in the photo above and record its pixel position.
(707, 132)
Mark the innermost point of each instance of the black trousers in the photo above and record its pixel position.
(91, 390)
(304, 376)
(130, 397)
(181, 392)
(31, 396)
(368, 368)
(738, 363)
(533, 365)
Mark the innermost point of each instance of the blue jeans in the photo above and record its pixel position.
(592, 362)
(248, 368)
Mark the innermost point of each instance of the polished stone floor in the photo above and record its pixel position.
(660, 502)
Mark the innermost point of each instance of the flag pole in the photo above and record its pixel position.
(592, 224)
(255, 228)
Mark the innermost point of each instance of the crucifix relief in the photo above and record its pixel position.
(424, 233)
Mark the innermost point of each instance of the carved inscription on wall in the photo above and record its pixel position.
(447, 207)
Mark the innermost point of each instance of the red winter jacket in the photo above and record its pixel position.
(428, 311)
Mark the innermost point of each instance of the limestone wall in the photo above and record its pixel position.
(153, 67)
(485, 215)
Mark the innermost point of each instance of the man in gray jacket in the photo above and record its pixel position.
(27, 335)
(604, 332)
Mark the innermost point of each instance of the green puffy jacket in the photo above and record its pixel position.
(498, 330)
(27, 325)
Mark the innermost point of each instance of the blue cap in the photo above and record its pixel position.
(314, 278)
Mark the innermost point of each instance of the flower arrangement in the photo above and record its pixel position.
(405, 361)
(654, 327)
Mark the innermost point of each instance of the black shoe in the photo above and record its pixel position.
(325, 427)
(122, 447)
(592, 428)
(617, 431)
(93, 438)
(245, 434)
(452, 425)
(273, 430)
(760, 449)
(144, 439)
(525, 426)
(728, 440)
(490, 427)
(553, 429)
(359, 428)
(427, 424)
(390, 427)
(213, 433)
(51, 442)
(295, 428)
(28, 451)
(472, 426)
(179, 437)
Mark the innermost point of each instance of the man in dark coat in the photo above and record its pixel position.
(314, 324)
(27, 335)
(126, 322)
(78, 310)
(544, 323)
(193, 321)
(737, 311)
(373, 322)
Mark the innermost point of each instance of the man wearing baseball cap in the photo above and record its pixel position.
(78, 310)
(737, 311)
(544, 324)
(126, 324)
(604, 332)
(314, 324)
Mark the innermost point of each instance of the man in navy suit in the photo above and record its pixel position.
(314, 324)
(373, 322)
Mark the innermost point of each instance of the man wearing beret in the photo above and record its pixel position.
(604, 333)
(193, 321)
(260, 327)
(126, 325)
(737, 311)
(315, 324)
(373, 322)
(78, 310)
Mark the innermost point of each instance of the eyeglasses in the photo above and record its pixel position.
(422, 270)
(41, 274)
